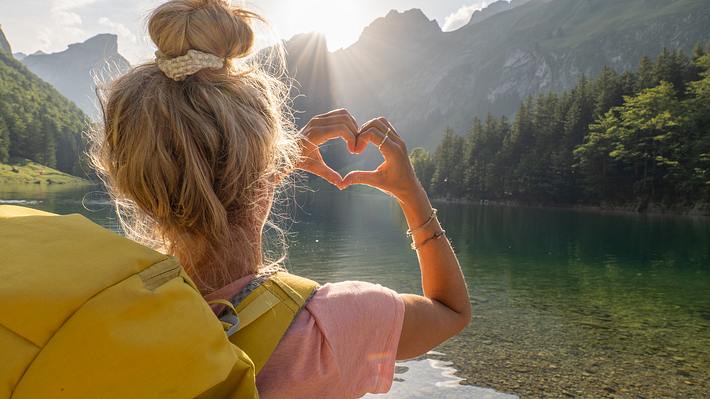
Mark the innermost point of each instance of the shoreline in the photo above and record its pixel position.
(655, 210)
(697, 211)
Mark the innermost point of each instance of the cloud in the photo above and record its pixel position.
(460, 17)
(69, 4)
(120, 29)
(66, 18)
(67, 22)
(64, 25)
(61, 11)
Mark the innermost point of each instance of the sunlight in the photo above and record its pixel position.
(338, 21)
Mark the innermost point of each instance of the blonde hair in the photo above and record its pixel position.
(192, 165)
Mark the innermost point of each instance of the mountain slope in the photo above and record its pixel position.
(425, 80)
(72, 71)
(4, 44)
(36, 122)
(493, 9)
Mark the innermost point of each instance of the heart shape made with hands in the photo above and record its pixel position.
(341, 125)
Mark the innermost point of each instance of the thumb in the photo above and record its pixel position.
(368, 178)
(328, 174)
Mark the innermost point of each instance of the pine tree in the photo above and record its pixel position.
(608, 91)
(444, 158)
(472, 159)
(698, 52)
(647, 74)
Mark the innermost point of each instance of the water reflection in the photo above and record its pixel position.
(434, 378)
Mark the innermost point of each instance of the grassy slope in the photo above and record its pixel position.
(28, 172)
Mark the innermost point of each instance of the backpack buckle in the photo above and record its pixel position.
(229, 317)
(232, 320)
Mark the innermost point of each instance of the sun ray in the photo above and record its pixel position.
(337, 20)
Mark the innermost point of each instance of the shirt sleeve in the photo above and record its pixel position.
(361, 323)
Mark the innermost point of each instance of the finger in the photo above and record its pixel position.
(369, 134)
(346, 119)
(320, 134)
(341, 114)
(387, 125)
(368, 178)
(339, 111)
(379, 123)
(387, 147)
(326, 173)
(384, 125)
(335, 119)
(350, 116)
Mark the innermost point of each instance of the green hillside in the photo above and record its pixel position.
(36, 122)
(28, 172)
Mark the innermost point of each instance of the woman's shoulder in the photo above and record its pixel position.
(349, 331)
(352, 311)
(354, 290)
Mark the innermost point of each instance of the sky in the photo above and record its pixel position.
(50, 25)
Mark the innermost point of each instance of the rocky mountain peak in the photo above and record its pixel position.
(73, 70)
(101, 45)
(407, 25)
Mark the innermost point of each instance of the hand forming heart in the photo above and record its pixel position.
(395, 176)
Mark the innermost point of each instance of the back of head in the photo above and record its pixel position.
(192, 163)
(210, 26)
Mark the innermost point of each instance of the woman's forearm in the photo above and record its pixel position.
(442, 279)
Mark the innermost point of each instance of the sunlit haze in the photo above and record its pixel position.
(51, 25)
(340, 21)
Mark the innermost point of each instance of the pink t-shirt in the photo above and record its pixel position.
(343, 344)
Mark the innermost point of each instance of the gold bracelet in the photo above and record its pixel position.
(436, 236)
(411, 232)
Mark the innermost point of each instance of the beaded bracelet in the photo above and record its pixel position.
(436, 236)
(411, 232)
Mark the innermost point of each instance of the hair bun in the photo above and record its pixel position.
(209, 26)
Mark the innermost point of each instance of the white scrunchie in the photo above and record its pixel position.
(179, 68)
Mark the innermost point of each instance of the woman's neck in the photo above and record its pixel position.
(212, 271)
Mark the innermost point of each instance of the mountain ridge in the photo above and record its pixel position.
(495, 8)
(73, 70)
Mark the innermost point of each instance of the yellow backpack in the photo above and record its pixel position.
(85, 313)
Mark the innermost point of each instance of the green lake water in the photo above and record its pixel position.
(566, 304)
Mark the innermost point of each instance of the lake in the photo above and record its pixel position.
(566, 303)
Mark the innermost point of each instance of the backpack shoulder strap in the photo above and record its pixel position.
(265, 315)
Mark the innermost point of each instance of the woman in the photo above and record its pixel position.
(193, 148)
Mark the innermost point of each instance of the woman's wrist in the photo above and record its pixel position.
(416, 206)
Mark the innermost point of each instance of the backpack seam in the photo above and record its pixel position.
(41, 349)
(15, 333)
